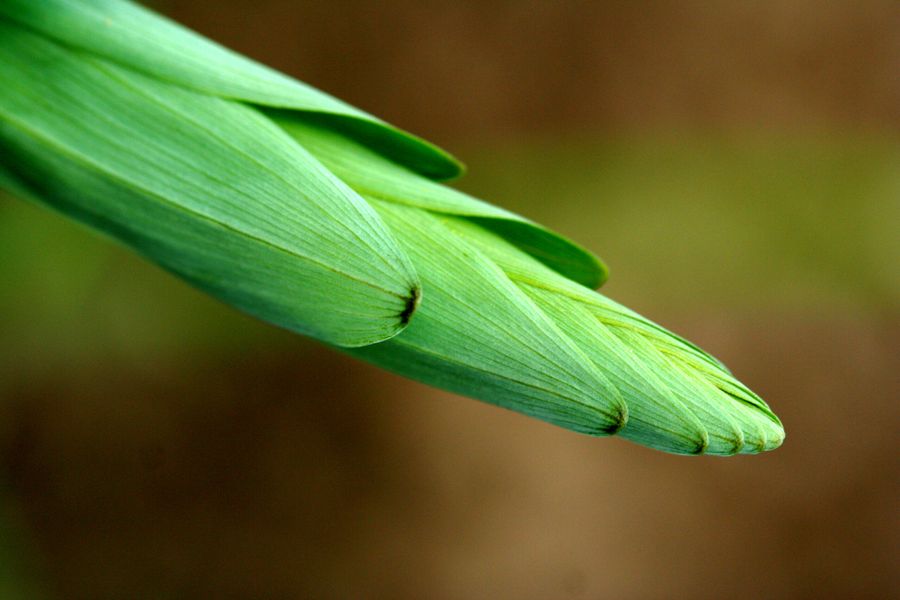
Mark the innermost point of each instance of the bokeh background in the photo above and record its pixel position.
(738, 167)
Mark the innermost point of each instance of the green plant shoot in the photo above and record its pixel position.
(315, 216)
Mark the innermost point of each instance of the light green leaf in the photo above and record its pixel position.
(132, 36)
(144, 130)
(478, 334)
(206, 187)
(371, 174)
(544, 346)
(679, 399)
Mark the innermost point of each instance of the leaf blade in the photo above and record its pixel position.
(375, 176)
(128, 34)
(477, 334)
(679, 399)
(82, 121)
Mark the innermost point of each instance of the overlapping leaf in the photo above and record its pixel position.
(477, 334)
(677, 398)
(209, 188)
(325, 220)
(369, 173)
(134, 37)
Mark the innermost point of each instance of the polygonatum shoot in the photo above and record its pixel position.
(315, 216)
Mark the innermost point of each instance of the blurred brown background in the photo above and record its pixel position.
(736, 164)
